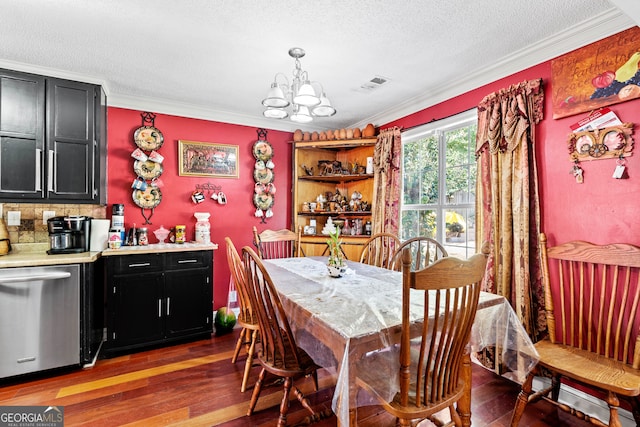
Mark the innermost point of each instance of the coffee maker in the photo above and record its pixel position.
(69, 234)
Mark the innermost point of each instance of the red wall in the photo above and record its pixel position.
(235, 219)
(602, 209)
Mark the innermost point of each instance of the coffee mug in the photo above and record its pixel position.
(138, 154)
(154, 156)
(197, 197)
(139, 184)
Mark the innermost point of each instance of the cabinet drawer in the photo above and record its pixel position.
(129, 264)
(184, 260)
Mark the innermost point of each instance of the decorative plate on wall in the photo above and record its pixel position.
(148, 138)
(263, 176)
(147, 199)
(262, 150)
(263, 201)
(147, 170)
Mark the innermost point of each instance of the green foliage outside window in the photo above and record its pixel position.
(422, 187)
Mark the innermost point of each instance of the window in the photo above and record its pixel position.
(439, 183)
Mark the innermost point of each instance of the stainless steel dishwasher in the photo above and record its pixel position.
(39, 318)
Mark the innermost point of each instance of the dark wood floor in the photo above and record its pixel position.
(196, 384)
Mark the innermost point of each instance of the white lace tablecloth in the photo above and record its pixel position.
(338, 321)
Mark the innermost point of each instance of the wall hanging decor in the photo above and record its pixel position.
(147, 166)
(599, 74)
(612, 142)
(208, 159)
(265, 190)
(208, 190)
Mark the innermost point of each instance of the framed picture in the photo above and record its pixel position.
(207, 159)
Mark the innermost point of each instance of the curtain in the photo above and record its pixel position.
(507, 202)
(386, 182)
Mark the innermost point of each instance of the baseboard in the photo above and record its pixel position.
(585, 402)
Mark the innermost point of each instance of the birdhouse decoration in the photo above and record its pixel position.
(265, 189)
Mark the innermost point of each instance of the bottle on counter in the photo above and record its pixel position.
(143, 236)
(132, 238)
(181, 235)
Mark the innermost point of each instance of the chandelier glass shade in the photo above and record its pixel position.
(299, 94)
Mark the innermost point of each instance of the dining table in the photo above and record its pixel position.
(345, 323)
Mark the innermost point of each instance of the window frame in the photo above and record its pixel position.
(439, 129)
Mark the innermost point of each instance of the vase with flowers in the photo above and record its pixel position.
(336, 265)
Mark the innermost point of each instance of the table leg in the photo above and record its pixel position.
(464, 404)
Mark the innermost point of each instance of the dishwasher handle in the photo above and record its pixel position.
(54, 275)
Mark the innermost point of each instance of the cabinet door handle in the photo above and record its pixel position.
(140, 264)
(168, 305)
(52, 165)
(96, 155)
(38, 169)
(187, 261)
(159, 307)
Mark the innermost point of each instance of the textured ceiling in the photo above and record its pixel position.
(216, 59)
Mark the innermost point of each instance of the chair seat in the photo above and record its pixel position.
(589, 368)
(248, 320)
(372, 381)
(288, 367)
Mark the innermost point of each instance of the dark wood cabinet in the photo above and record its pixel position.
(22, 100)
(154, 299)
(52, 139)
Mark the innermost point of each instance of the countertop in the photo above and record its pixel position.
(160, 247)
(35, 254)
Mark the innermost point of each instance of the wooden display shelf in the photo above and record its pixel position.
(336, 178)
(329, 213)
(316, 245)
(338, 144)
(306, 188)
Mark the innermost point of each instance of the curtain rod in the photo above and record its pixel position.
(435, 120)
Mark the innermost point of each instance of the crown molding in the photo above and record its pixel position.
(53, 72)
(599, 27)
(175, 108)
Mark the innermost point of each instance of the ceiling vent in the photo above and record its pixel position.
(374, 83)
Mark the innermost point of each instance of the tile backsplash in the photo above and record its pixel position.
(31, 228)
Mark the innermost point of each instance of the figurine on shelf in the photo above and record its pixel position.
(307, 170)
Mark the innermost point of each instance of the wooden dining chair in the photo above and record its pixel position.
(424, 251)
(247, 318)
(278, 243)
(431, 376)
(277, 350)
(592, 295)
(379, 249)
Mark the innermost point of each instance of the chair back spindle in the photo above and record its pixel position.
(239, 279)
(424, 251)
(271, 244)
(595, 305)
(379, 250)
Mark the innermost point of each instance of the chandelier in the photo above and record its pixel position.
(299, 94)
